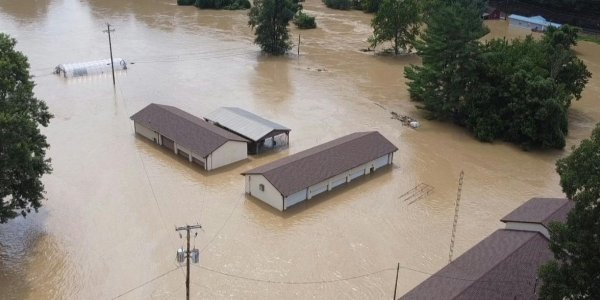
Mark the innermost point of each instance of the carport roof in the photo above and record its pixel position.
(244, 123)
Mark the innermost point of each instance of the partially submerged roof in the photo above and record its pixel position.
(304, 169)
(502, 266)
(535, 20)
(185, 129)
(541, 211)
(245, 123)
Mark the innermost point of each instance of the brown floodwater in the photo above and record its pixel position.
(107, 228)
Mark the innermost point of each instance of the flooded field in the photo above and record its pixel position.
(107, 229)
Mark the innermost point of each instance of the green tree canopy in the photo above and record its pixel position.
(575, 272)
(397, 21)
(450, 55)
(269, 19)
(22, 146)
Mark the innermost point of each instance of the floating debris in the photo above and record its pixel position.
(406, 120)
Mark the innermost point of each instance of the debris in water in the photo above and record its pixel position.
(406, 120)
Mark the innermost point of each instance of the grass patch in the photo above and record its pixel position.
(589, 38)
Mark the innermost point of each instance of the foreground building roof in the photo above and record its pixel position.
(502, 266)
(541, 211)
(245, 123)
(185, 129)
(304, 169)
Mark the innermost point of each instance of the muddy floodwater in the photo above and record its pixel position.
(107, 228)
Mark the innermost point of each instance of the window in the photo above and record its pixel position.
(261, 187)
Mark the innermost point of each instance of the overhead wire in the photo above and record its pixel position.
(146, 283)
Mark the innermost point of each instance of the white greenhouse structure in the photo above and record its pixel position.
(90, 68)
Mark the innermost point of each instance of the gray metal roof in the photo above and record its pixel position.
(303, 169)
(185, 129)
(244, 123)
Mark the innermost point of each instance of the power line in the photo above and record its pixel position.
(293, 282)
(222, 226)
(145, 283)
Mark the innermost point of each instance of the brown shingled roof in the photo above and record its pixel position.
(502, 266)
(541, 210)
(185, 129)
(301, 170)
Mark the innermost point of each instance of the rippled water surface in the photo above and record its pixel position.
(107, 229)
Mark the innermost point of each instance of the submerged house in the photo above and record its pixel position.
(537, 23)
(196, 140)
(262, 133)
(505, 264)
(303, 175)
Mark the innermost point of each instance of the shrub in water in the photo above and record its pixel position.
(223, 4)
(338, 4)
(304, 21)
(185, 2)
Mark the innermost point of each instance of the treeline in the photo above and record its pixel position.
(368, 6)
(585, 6)
(518, 91)
(217, 4)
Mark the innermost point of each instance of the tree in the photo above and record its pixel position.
(450, 56)
(575, 272)
(22, 146)
(397, 21)
(270, 19)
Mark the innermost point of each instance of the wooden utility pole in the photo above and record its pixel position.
(298, 45)
(187, 228)
(456, 206)
(396, 286)
(112, 65)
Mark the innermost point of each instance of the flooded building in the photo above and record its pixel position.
(301, 176)
(537, 23)
(262, 133)
(505, 264)
(196, 140)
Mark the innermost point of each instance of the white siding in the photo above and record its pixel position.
(228, 153)
(145, 132)
(295, 198)
(184, 149)
(536, 227)
(270, 195)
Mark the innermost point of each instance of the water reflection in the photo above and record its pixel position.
(34, 11)
(271, 82)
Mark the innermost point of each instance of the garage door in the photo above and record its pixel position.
(197, 161)
(183, 154)
(167, 142)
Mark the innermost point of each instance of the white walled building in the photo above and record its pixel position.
(193, 138)
(304, 175)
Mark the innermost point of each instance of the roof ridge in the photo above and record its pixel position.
(329, 147)
(500, 261)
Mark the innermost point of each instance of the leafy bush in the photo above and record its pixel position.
(338, 4)
(304, 21)
(223, 4)
(185, 2)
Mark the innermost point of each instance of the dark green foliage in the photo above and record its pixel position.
(575, 272)
(269, 19)
(586, 6)
(518, 91)
(186, 2)
(371, 6)
(338, 4)
(22, 146)
(450, 55)
(304, 21)
(223, 4)
(397, 21)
